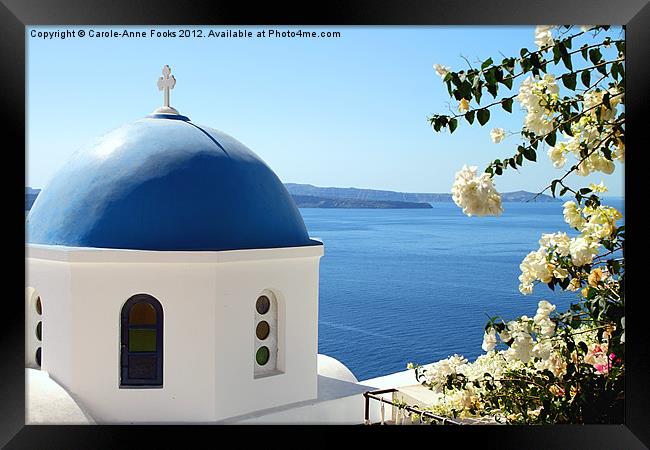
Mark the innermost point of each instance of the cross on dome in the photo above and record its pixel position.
(166, 83)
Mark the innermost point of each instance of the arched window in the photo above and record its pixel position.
(266, 335)
(141, 336)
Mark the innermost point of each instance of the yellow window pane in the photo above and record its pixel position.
(142, 314)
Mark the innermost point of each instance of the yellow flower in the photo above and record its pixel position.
(464, 105)
(574, 285)
(585, 291)
(598, 187)
(595, 277)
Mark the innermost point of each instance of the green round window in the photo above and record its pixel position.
(39, 331)
(263, 304)
(262, 356)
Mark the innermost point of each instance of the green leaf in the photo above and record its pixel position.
(486, 63)
(595, 55)
(556, 54)
(492, 89)
(453, 124)
(483, 115)
(583, 347)
(585, 77)
(566, 58)
(469, 116)
(569, 80)
(507, 104)
(553, 186)
(584, 51)
(568, 42)
(606, 97)
(551, 138)
(530, 154)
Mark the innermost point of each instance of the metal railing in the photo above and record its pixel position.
(376, 395)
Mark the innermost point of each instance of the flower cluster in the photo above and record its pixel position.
(558, 252)
(441, 70)
(539, 98)
(590, 132)
(497, 135)
(544, 36)
(476, 195)
(553, 367)
(532, 347)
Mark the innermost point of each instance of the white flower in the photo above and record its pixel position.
(601, 223)
(489, 340)
(558, 241)
(598, 187)
(534, 267)
(543, 36)
(586, 27)
(441, 70)
(476, 195)
(572, 215)
(557, 155)
(582, 251)
(544, 309)
(539, 97)
(522, 346)
(497, 135)
(505, 336)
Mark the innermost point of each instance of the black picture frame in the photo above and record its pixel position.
(15, 15)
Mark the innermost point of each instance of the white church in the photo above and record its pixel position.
(171, 279)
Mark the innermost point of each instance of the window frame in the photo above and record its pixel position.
(125, 380)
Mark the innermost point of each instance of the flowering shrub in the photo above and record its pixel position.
(556, 367)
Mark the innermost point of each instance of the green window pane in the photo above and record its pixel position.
(142, 340)
(262, 356)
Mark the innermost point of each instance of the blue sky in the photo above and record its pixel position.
(349, 111)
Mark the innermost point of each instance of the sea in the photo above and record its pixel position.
(419, 285)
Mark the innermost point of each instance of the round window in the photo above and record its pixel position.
(39, 331)
(39, 307)
(263, 329)
(263, 304)
(38, 356)
(262, 355)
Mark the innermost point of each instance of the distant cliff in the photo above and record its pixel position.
(378, 195)
(308, 196)
(308, 201)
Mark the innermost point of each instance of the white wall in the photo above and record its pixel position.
(208, 301)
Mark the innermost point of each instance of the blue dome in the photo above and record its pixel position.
(164, 183)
